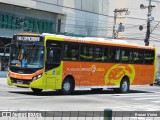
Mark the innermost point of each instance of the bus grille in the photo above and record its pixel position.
(20, 81)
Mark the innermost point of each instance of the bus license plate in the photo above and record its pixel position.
(19, 82)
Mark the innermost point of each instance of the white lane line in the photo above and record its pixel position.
(130, 94)
(147, 98)
(144, 95)
(158, 101)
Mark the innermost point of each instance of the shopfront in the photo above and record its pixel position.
(15, 20)
(4, 57)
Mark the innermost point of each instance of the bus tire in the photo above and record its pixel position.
(125, 85)
(68, 86)
(36, 90)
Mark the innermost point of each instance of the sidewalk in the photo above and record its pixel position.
(3, 74)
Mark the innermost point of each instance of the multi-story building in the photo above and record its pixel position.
(94, 18)
(78, 17)
(135, 18)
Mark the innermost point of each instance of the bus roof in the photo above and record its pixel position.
(92, 40)
(26, 34)
(101, 41)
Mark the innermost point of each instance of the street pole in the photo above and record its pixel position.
(115, 19)
(147, 38)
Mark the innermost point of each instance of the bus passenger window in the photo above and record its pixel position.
(125, 56)
(105, 54)
(101, 54)
(148, 56)
(137, 56)
(98, 54)
(71, 51)
(114, 54)
(53, 56)
(86, 53)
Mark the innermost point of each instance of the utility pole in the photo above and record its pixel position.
(146, 40)
(116, 13)
(149, 19)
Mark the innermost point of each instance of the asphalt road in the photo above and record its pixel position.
(140, 98)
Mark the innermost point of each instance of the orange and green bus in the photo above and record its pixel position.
(63, 63)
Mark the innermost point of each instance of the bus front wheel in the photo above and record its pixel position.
(67, 86)
(36, 90)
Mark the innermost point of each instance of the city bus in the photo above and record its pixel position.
(64, 63)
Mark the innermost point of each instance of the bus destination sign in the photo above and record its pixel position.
(28, 39)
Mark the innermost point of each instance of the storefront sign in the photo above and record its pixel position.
(27, 24)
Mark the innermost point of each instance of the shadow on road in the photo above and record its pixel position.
(76, 93)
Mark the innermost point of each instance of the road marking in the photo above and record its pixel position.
(156, 101)
(154, 98)
(129, 94)
(138, 95)
(147, 98)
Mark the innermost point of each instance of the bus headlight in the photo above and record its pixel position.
(36, 77)
(39, 76)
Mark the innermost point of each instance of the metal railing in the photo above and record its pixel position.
(107, 114)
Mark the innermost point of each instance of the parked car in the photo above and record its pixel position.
(157, 78)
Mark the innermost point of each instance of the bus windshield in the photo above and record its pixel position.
(27, 56)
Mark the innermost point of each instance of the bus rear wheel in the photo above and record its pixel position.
(67, 86)
(36, 90)
(124, 87)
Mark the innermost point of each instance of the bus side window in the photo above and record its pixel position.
(125, 56)
(86, 53)
(71, 51)
(98, 53)
(137, 56)
(149, 57)
(53, 56)
(49, 55)
(101, 54)
(114, 54)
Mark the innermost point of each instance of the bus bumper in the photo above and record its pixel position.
(10, 83)
(33, 84)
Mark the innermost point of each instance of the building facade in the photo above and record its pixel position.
(71, 17)
(137, 17)
(94, 18)
(133, 19)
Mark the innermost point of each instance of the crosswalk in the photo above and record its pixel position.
(150, 97)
